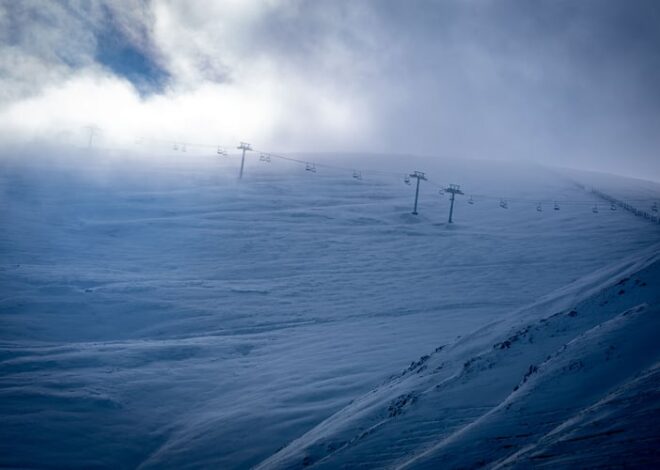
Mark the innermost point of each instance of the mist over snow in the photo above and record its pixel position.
(556, 82)
(226, 240)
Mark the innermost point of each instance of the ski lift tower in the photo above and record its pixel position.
(419, 176)
(244, 147)
(454, 189)
(93, 131)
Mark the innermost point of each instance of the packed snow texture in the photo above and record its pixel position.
(155, 314)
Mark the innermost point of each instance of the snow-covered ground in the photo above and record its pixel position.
(157, 314)
(512, 392)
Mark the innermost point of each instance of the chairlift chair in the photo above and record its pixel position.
(595, 209)
(406, 179)
(357, 175)
(654, 207)
(310, 167)
(470, 201)
(175, 146)
(539, 207)
(556, 206)
(612, 207)
(504, 204)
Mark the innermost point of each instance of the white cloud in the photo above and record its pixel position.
(265, 108)
(222, 89)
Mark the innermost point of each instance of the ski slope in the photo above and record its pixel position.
(500, 394)
(157, 313)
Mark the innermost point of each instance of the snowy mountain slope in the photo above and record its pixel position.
(552, 392)
(500, 389)
(161, 314)
(618, 431)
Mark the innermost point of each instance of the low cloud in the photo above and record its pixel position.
(562, 83)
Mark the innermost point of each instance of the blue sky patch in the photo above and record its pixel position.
(122, 57)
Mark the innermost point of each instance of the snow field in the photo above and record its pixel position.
(154, 314)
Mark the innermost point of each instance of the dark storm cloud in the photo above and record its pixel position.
(557, 81)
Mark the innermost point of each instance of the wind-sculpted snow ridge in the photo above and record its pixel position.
(579, 365)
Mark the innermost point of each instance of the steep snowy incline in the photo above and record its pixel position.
(162, 314)
(619, 431)
(498, 391)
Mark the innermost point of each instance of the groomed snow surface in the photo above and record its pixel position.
(156, 314)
